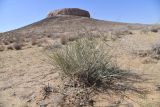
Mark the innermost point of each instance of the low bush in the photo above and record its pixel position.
(87, 61)
(120, 32)
(33, 41)
(6, 42)
(63, 40)
(73, 38)
(17, 46)
(88, 68)
(155, 28)
(2, 48)
(10, 47)
(156, 49)
(53, 46)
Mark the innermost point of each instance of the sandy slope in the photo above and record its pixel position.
(24, 73)
(22, 76)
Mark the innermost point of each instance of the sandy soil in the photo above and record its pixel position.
(24, 73)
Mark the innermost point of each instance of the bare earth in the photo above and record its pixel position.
(22, 76)
(25, 68)
(24, 73)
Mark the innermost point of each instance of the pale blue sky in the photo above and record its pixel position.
(18, 13)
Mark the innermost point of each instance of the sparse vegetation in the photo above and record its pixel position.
(17, 46)
(10, 47)
(156, 49)
(33, 41)
(53, 46)
(91, 76)
(122, 32)
(1, 63)
(155, 28)
(5, 42)
(63, 40)
(148, 103)
(153, 53)
(88, 61)
(2, 48)
(47, 89)
(73, 38)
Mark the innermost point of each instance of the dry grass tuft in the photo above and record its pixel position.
(154, 30)
(156, 51)
(73, 38)
(2, 48)
(89, 67)
(53, 46)
(87, 61)
(6, 42)
(10, 47)
(18, 46)
(33, 40)
(47, 90)
(63, 40)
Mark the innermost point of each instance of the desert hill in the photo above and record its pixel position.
(64, 25)
(28, 79)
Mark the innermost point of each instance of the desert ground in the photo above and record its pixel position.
(26, 72)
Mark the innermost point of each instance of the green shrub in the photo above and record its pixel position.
(88, 62)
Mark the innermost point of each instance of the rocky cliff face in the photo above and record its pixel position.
(69, 11)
